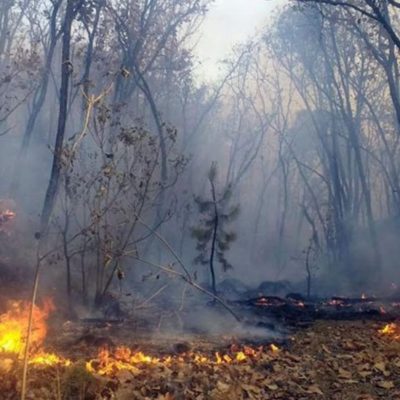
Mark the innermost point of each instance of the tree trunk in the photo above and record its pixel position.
(214, 241)
(52, 188)
(39, 98)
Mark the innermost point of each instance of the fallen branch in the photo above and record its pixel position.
(167, 245)
(186, 275)
(190, 282)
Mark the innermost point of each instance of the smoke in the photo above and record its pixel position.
(304, 139)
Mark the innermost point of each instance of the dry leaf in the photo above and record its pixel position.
(344, 374)
(385, 384)
(326, 349)
(381, 366)
(314, 389)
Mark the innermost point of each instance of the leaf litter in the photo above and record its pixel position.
(329, 360)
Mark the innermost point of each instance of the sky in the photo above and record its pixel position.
(227, 23)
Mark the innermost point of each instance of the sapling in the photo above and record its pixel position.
(213, 238)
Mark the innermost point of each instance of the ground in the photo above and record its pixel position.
(329, 360)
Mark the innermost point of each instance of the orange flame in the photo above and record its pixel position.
(123, 359)
(392, 330)
(13, 326)
(49, 359)
(274, 348)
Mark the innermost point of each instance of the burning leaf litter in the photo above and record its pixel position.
(392, 330)
(331, 360)
(13, 327)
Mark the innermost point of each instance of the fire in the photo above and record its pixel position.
(122, 358)
(274, 348)
(241, 356)
(13, 326)
(392, 330)
(49, 359)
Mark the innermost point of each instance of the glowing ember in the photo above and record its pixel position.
(269, 302)
(13, 326)
(336, 302)
(262, 301)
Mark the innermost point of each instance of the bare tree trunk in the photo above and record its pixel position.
(52, 188)
(214, 239)
(39, 98)
(284, 210)
(5, 10)
(89, 52)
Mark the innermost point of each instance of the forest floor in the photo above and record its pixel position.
(329, 360)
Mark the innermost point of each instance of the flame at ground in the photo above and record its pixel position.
(14, 323)
(123, 359)
(49, 359)
(13, 328)
(274, 348)
(392, 330)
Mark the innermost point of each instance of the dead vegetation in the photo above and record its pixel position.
(330, 360)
